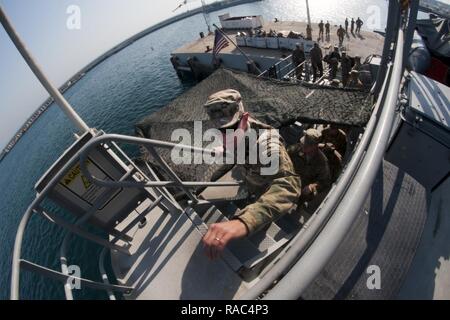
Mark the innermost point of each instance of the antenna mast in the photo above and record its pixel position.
(307, 12)
(206, 16)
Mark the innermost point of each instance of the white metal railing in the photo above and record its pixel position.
(314, 246)
(75, 229)
(275, 66)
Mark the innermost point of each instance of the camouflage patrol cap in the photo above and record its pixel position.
(311, 137)
(225, 105)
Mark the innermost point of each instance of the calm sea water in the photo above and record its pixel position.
(113, 97)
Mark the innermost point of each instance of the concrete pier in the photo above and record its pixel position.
(364, 44)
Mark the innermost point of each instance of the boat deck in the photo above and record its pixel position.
(386, 234)
(362, 45)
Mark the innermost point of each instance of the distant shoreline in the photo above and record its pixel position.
(80, 74)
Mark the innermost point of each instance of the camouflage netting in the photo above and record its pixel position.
(271, 101)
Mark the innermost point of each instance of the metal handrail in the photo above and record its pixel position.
(35, 205)
(101, 267)
(282, 69)
(84, 153)
(317, 255)
(275, 65)
(80, 221)
(319, 239)
(296, 67)
(325, 245)
(393, 10)
(16, 260)
(317, 221)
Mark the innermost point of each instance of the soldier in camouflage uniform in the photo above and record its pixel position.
(354, 82)
(312, 165)
(327, 29)
(334, 146)
(309, 32)
(335, 136)
(346, 67)
(321, 25)
(341, 33)
(316, 61)
(276, 193)
(298, 57)
(333, 60)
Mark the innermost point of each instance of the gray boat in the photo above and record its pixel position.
(382, 232)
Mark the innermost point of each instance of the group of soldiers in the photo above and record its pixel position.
(327, 29)
(349, 66)
(341, 32)
(298, 59)
(358, 23)
(317, 159)
(305, 172)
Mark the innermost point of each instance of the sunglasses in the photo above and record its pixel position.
(217, 112)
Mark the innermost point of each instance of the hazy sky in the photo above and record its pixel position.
(60, 51)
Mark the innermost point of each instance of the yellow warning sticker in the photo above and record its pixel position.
(76, 182)
(86, 182)
(73, 174)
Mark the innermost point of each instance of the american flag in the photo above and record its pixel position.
(220, 42)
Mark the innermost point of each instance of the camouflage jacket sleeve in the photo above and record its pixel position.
(277, 200)
(323, 181)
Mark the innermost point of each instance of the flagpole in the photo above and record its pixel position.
(307, 12)
(237, 47)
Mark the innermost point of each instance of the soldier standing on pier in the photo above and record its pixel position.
(316, 61)
(341, 34)
(353, 26)
(308, 32)
(334, 59)
(346, 66)
(321, 24)
(327, 29)
(298, 57)
(359, 24)
(346, 25)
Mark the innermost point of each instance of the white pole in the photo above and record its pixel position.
(307, 12)
(206, 16)
(52, 90)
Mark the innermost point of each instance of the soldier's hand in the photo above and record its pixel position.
(220, 234)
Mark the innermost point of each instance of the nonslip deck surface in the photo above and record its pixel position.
(386, 234)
